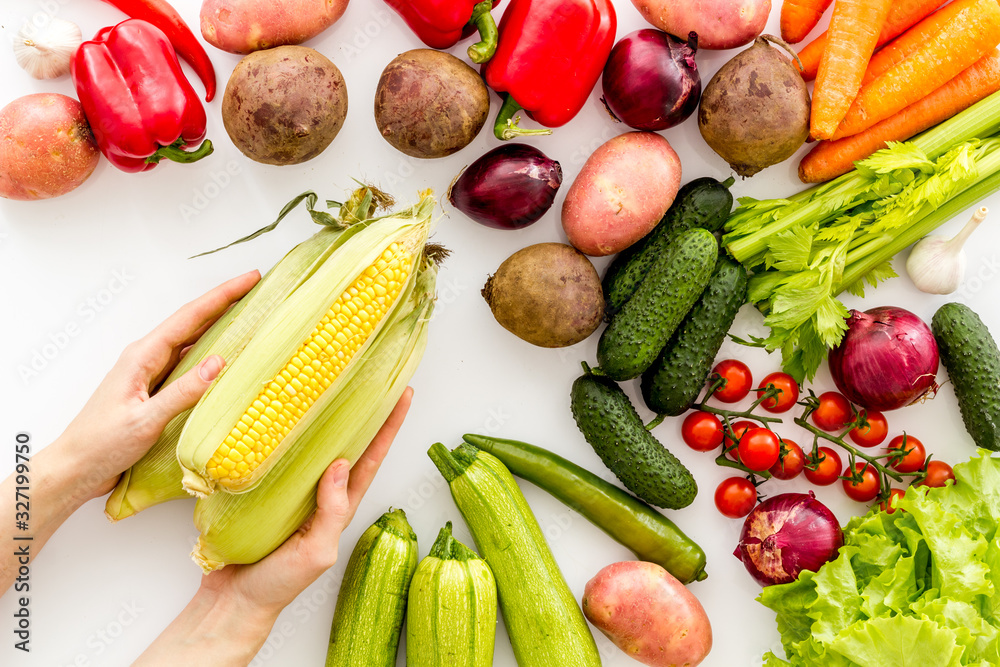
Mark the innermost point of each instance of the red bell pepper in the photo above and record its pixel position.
(550, 55)
(140, 106)
(162, 14)
(440, 24)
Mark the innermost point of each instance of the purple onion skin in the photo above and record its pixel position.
(887, 359)
(787, 534)
(509, 187)
(651, 81)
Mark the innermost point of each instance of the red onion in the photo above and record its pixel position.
(887, 359)
(786, 534)
(651, 81)
(509, 187)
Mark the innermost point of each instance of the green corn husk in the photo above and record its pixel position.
(245, 527)
(156, 477)
(451, 614)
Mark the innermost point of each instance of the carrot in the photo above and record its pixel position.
(798, 17)
(910, 41)
(902, 15)
(829, 159)
(968, 36)
(854, 29)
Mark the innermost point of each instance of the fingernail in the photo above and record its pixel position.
(210, 368)
(340, 476)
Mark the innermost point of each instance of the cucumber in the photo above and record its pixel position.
(545, 624)
(372, 601)
(632, 523)
(611, 425)
(970, 354)
(672, 384)
(704, 202)
(633, 340)
(451, 616)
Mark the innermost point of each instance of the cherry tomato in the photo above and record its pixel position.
(826, 471)
(739, 429)
(790, 463)
(886, 505)
(874, 432)
(938, 474)
(786, 399)
(913, 460)
(868, 487)
(759, 449)
(735, 497)
(834, 412)
(702, 431)
(738, 379)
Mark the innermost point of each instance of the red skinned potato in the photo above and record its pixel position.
(243, 26)
(46, 147)
(648, 614)
(720, 24)
(621, 193)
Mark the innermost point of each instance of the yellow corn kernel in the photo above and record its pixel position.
(334, 341)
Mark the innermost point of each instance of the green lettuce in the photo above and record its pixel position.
(915, 588)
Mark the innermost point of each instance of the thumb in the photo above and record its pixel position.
(185, 391)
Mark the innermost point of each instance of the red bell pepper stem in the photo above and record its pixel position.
(162, 14)
(506, 126)
(484, 49)
(177, 154)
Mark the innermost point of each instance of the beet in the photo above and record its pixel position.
(548, 294)
(755, 110)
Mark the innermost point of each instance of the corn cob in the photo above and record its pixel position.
(297, 360)
(451, 614)
(156, 477)
(245, 527)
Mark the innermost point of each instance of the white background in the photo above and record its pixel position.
(109, 261)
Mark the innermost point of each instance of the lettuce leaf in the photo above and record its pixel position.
(913, 588)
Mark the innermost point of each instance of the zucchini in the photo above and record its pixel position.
(704, 202)
(970, 354)
(544, 622)
(611, 425)
(451, 616)
(632, 523)
(672, 384)
(372, 599)
(631, 343)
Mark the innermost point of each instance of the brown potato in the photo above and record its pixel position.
(548, 294)
(46, 147)
(284, 105)
(430, 104)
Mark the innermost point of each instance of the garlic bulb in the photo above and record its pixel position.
(45, 52)
(936, 265)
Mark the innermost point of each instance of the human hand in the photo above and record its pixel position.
(274, 582)
(121, 420)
